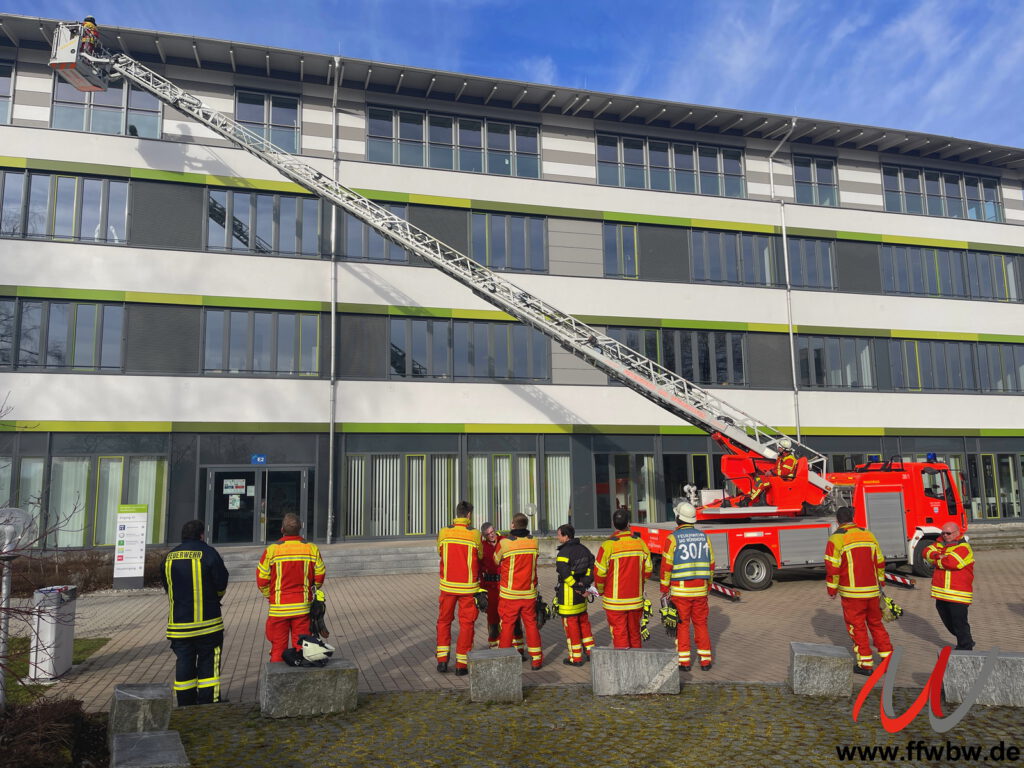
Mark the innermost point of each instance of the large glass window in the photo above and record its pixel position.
(61, 207)
(273, 116)
(6, 88)
(810, 263)
(941, 193)
(121, 109)
(261, 343)
(57, 335)
(425, 139)
(262, 222)
(640, 163)
(713, 358)
(68, 508)
(815, 180)
(738, 258)
(835, 362)
(919, 364)
(359, 241)
(30, 491)
(513, 243)
(620, 248)
(920, 271)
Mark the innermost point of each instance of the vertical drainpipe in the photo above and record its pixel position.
(789, 285)
(334, 316)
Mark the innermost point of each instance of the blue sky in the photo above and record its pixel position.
(951, 67)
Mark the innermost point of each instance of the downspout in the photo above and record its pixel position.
(789, 285)
(334, 317)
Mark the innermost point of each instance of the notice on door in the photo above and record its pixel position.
(130, 546)
(234, 486)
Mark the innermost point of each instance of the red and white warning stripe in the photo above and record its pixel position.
(729, 592)
(903, 581)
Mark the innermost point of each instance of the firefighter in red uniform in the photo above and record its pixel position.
(460, 549)
(90, 35)
(489, 574)
(953, 582)
(855, 569)
(574, 565)
(289, 571)
(687, 568)
(517, 557)
(786, 461)
(623, 565)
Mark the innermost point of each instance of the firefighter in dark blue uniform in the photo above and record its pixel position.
(195, 579)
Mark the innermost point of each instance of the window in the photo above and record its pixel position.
(272, 116)
(739, 258)
(42, 205)
(425, 139)
(993, 276)
(941, 193)
(262, 222)
(933, 365)
(714, 358)
(119, 110)
(942, 272)
(835, 362)
(810, 263)
(58, 335)
(259, 343)
(513, 243)
(669, 166)
(359, 241)
(6, 79)
(620, 250)
(815, 180)
(467, 350)
(1001, 367)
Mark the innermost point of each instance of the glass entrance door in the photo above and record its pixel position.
(247, 506)
(231, 505)
(281, 494)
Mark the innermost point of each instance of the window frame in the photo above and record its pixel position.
(619, 258)
(529, 225)
(47, 225)
(930, 202)
(273, 350)
(814, 185)
(8, 98)
(267, 126)
(702, 258)
(253, 216)
(71, 336)
(835, 362)
(631, 166)
(125, 110)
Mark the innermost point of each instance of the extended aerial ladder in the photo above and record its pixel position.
(680, 397)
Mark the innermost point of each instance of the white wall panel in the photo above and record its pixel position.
(584, 172)
(28, 112)
(912, 409)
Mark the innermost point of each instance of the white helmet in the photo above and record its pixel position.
(685, 512)
(785, 444)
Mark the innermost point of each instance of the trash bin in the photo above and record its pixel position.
(54, 635)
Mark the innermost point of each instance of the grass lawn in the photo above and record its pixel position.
(17, 666)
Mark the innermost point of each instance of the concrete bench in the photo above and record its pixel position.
(1003, 688)
(302, 691)
(820, 670)
(139, 707)
(153, 749)
(619, 671)
(496, 676)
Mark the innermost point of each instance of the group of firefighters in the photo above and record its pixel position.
(484, 570)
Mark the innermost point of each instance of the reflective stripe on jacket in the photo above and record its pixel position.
(854, 565)
(286, 574)
(195, 579)
(517, 556)
(622, 566)
(688, 563)
(574, 565)
(953, 579)
(460, 550)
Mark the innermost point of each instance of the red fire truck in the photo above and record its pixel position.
(903, 503)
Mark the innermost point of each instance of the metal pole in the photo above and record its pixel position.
(5, 622)
(332, 399)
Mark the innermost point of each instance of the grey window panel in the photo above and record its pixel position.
(182, 496)
(501, 443)
(363, 346)
(78, 444)
(32, 443)
(238, 449)
(163, 339)
(768, 361)
(398, 443)
(556, 443)
(664, 254)
(167, 215)
(449, 225)
(858, 267)
(883, 375)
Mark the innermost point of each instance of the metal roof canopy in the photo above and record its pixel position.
(613, 112)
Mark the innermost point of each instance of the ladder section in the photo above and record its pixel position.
(663, 387)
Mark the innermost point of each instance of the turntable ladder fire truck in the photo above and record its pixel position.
(88, 66)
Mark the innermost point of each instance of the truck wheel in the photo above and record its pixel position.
(921, 567)
(754, 570)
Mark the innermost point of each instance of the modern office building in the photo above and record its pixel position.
(181, 327)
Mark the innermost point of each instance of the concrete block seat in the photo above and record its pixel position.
(139, 707)
(1004, 687)
(820, 670)
(151, 749)
(287, 691)
(496, 676)
(617, 671)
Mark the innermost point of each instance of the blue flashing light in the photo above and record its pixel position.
(931, 458)
(873, 457)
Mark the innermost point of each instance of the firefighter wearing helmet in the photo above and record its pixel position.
(687, 568)
(785, 463)
(90, 35)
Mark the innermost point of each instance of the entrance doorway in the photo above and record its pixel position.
(246, 505)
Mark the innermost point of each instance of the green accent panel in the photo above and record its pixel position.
(363, 309)
(926, 242)
(941, 335)
(737, 226)
(862, 236)
(805, 232)
(86, 426)
(828, 330)
(448, 202)
(642, 218)
(40, 292)
(1000, 338)
(673, 430)
(388, 197)
(13, 162)
(537, 210)
(247, 303)
(711, 325)
(769, 327)
(842, 431)
(996, 248)
(374, 429)
(64, 166)
(481, 314)
(250, 426)
(419, 312)
(163, 298)
(518, 429)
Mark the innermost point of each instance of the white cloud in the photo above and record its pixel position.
(538, 69)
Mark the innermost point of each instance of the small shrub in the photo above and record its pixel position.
(87, 569)
(52, 733)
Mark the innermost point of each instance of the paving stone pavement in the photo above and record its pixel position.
(385, 624)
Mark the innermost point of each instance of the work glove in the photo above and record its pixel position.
(481, 599)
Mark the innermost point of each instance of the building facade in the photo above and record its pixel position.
(181, 327)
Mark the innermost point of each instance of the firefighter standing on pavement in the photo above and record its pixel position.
(289, 572)
(460, 550)
(855, 569)
(953, 582)
(687, 568)
(195, 579)
(622, 566)
(574, 565)
(517, 556)
(489, 574)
